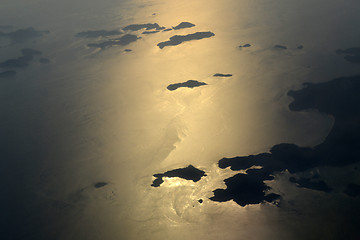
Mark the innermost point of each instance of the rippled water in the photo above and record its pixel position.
(94, 115)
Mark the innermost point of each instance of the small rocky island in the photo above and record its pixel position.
(100, 184)
(351, 54)
(122, 41)
(150, 32)
(310, 183)
(281, 47)
(188, 173)
(222, 75)
(178, 39)
(245, 45)
(188, 84)
(23, 35)
(137, 27)
(184, 25)
(28, 56)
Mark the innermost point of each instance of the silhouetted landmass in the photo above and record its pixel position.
(150, 32)
(98, 33)
(351, 54)
(188, 173)
(245, 189)
(44, 60)
(222, 75)
(100, 184)
(19, 62)
(122, 41)
(188, 84)
(353, 190)
(168, 29)
(31, 52)
(178, 39)
(311, 184)
(300, 47)
(23, 35)
(147, 26)
(184, 25)
(280, 47)
(7, 74)
(245, 45)
(340, 98)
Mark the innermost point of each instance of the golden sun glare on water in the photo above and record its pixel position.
(116, 103)
(175, 182)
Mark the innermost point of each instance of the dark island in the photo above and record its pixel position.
(245, 45)
(147, 26)
(23, 35)
(188, 84)
(310, 183)
(178, 39)
(340, 98)
(184, 25)
(281, 47)
(222, 75)
(351, 54)
(20, 62)
(122, 41)
(100, 184)
(245, 189)
(28, 55)
(188, 173)
(150, 32)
